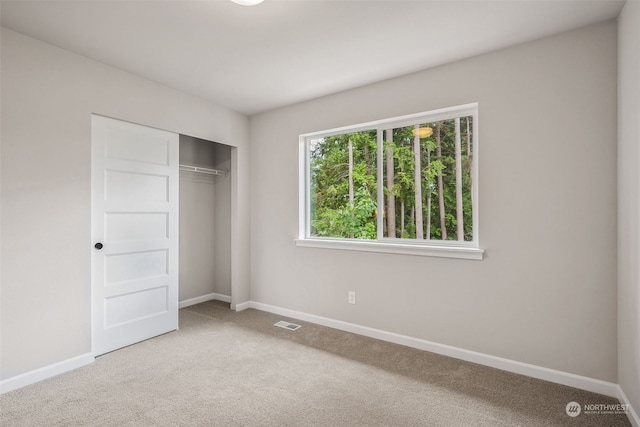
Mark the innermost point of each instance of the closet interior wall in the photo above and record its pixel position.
(205, 222)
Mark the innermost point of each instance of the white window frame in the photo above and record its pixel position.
(435, 248)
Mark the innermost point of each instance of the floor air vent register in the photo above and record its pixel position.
(286, 325)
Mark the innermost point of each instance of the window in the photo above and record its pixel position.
(405, 185)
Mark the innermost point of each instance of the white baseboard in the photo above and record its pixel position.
(244, 305)
(559, 377)
(223, 298)
(204, 298)
(45, 372)
(631, 413)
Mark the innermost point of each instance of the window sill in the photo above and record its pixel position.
(394, 248)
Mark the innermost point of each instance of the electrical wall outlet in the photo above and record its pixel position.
(352, 297)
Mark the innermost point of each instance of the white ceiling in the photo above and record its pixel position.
(253, 59)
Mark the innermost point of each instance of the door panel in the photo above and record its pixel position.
(123, 309)
(136, 226)
(125, 267)
(128, 143)
(125, 186)
(135, 217)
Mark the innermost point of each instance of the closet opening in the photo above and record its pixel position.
(205, 221)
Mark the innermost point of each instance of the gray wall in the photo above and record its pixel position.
(222, 224)
(629, 203)
(205, 220)
(546, 292)
(48, 95)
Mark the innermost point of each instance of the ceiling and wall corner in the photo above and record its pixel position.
(253, 59)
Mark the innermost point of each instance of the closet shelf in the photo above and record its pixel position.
(207, 171)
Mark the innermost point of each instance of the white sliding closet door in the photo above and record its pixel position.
(134, 263)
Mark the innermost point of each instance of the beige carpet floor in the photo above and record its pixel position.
(224, 368)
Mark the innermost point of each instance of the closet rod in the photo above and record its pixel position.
(198, 169)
